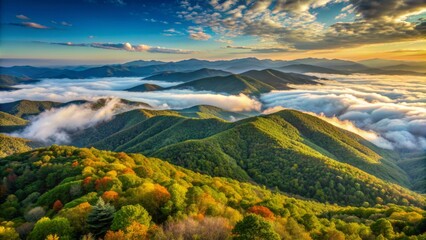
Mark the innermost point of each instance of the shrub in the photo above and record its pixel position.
(128, 214)
(46, 226)
(254, 227)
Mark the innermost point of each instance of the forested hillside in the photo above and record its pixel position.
(295, 152)
(69, 193)
(10, 145)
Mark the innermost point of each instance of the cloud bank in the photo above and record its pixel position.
(379, 108)
(396, 115)
(64, 90)
(54, 125)
(127, 47)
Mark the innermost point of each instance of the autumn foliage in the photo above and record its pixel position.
(110, 196)
(103, 183)
(262, 211)
(57, 206)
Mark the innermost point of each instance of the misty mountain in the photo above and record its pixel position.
(142, 63)
(306, 68)
(232, 84)
(207, 111)
(147, 68)
(146, 87)
(407, 67)
(27, 108)
(278, 79)
(129, 119)
(8, 80)
(10, 123)
(337, 64)
(252, 82)
(188, 76)
(391, 72)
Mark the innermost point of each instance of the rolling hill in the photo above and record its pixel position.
(232, 84)
(135, 117)
(7, 81)
(11, 145)
(296, 152)
(27, 108)
(206, 111)
(252, 82)
(10, 123)
(188, 76)
(68, 192)
(279, 79)
(146, 87)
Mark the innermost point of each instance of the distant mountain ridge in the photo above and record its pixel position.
(147, 68)
(188, 76)
(305, 68)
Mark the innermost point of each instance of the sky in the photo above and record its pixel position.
(48, 32)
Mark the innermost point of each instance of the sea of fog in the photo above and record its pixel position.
(390, 111)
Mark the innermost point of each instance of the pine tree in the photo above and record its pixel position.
(254, 227)
(100, 218)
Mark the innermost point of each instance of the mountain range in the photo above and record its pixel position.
(252, 82)
(142, 68)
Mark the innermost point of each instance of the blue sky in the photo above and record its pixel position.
(101, 31)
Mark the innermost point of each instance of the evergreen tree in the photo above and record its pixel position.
(100, 218)
(254, 227)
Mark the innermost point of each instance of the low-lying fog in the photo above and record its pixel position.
(390, 111)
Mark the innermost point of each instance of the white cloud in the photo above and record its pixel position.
(379, 104)
(127, 47)
(341, 16)
(30, 25)
(22, 17)
(54, 125)
(64, 90)
(67, 24)
(171, 32)
(197, 33)
(152, 20)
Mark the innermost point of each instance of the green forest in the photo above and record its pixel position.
(63, 192)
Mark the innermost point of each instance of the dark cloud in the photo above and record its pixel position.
(363, 32)
(389, 9)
